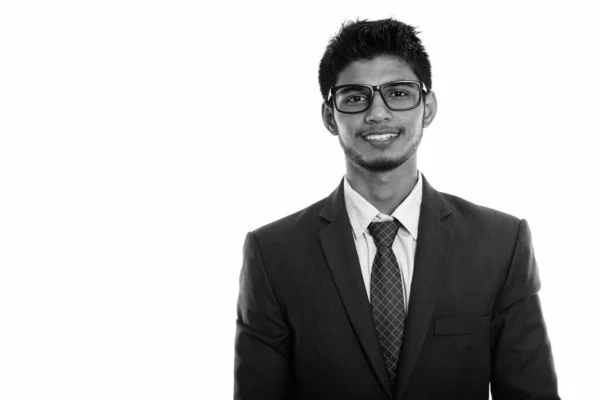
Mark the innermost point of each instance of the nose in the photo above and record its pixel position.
(378, 111)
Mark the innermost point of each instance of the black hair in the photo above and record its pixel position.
(365, 40)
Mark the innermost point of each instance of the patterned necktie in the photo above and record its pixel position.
(387, 295)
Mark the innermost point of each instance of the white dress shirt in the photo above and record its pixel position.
(362, 213)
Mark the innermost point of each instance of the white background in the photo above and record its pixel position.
(140, 141)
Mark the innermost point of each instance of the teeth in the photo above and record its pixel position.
(381, 137)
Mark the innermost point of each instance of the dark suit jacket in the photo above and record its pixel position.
(305, 331)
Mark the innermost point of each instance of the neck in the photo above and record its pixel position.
(384, 190)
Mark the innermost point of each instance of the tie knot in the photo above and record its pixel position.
(384, 233)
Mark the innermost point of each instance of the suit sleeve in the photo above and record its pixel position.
(262, 341)
(522, 363)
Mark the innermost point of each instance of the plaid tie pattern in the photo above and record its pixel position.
(387, 295)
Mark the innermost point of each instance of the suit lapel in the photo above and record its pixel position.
(433, 245)
(338, 245)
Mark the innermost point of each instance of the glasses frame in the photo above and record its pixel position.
(373, 89)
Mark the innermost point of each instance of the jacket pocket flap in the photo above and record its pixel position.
(462, 326)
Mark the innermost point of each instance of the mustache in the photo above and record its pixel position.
(381, 131)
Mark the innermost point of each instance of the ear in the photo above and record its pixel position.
(328, 119)
(430, 109)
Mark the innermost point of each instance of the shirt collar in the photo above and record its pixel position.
(361, 213)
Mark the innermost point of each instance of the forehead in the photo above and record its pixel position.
(382, 69)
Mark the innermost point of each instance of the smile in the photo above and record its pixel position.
(381, 137)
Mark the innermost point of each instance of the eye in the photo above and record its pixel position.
(355, 99)
(398, 93)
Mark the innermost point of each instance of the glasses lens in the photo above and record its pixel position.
(401, 95)
(353, 98)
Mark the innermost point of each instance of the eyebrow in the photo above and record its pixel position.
(383, 84)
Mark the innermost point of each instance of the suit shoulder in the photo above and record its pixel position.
(299, 221)
(479, 215)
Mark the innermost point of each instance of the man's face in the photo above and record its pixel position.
(355, 130)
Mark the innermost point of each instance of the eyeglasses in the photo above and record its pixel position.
(397, 96)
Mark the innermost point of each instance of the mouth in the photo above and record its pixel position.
(380, 137)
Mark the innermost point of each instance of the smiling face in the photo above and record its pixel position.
(379, 139)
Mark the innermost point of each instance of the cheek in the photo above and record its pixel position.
(348, 126)
(415, 123)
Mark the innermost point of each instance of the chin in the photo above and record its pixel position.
(381, 164)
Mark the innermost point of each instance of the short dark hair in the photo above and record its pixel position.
(365, 40)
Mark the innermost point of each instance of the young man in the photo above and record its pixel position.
(388, 289)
